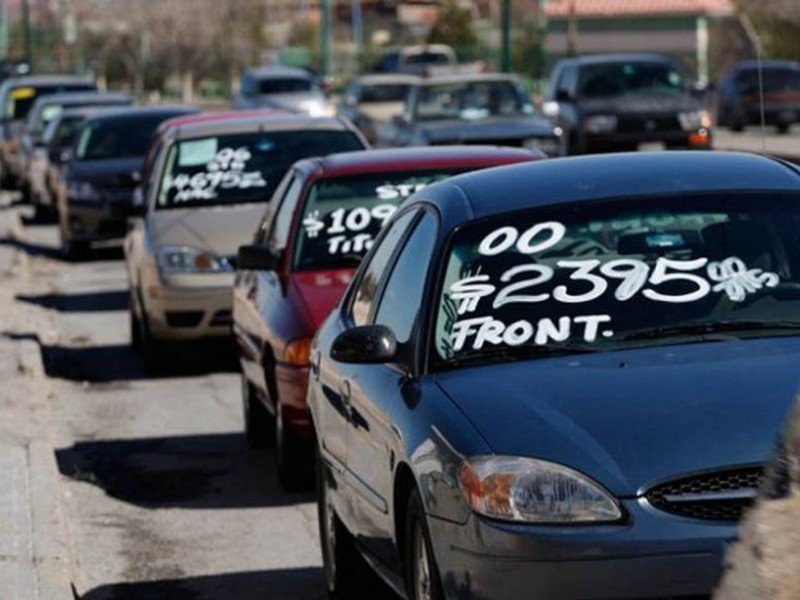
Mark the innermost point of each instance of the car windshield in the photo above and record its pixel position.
(285, 85)
(472, 100)
(611, 275)
(20, 100)
(61, 133)
(773, 80)
(388, 92)
(118, 137)
(607, 80)
(342, 215)
(240, 167)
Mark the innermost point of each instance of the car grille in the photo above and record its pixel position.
(184, 318)
(643, 124)
(718, 496)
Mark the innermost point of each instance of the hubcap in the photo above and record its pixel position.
(422, 575)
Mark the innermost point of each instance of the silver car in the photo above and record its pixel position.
(283, 88)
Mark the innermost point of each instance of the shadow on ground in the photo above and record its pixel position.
(54, 253)
(211, 471)
(84, 302)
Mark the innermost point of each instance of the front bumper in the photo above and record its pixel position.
(96, 221)
(190, 307)
(600, 142)
(652, 555)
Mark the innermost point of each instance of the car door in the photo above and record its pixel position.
(258, 293)
(379, 392)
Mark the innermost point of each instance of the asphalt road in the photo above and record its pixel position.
(163, 497)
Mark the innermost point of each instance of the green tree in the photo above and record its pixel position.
(454, 27)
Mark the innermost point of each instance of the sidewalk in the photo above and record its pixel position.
(34, 553)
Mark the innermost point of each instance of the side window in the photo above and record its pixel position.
(402, 294)
(281, 225)
(368, 286)
(567, 82)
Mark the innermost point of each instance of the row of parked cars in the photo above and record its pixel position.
(505, 375)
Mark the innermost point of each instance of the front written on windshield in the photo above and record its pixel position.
(595, 275)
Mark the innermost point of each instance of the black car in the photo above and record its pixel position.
(560, 379)
(612, 102)
(486, 109)
(95, 197)
(749, 87)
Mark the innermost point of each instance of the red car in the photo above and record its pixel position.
(318, 226)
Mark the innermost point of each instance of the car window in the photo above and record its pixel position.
(615, 274)
(279, 235)
(369, 284)
(567, 81)
(243, 167)
(472, 100)
(607, 80)
(385, 92)
(117, 137)
(401, 298)
(343, 215)
(285, 85)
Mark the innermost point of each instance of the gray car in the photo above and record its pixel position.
(283, 88)
(371, 101)
(487, 108)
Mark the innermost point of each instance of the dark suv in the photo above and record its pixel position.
(625, 102)
(741, 90)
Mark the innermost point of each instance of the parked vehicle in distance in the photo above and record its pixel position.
(206, 187)
(541, 374)
(95, 196)
(608, 102)
(34, 146)
(372, 100)
(17, 96)
(416, 59)
(283, 88)
(320, 223)
(742, 92)
(491, 108)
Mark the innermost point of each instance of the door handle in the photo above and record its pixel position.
(344, 391)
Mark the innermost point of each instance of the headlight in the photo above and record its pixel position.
(183, 259)
(320, 109)
(83, 190)
(695, 119)
(534, 491)
(600, 124)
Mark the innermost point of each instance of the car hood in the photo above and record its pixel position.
(318, 292)
(641, 104)
(219, 230)
(108, 172)
(294, 102)
(381, 111)
(633, 418)
(489, 130)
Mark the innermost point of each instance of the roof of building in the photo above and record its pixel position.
(613, 8)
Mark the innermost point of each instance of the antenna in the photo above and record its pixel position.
(755, 41)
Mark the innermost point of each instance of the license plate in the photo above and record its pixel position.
(651, 146)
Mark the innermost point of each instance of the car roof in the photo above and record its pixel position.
(467, 77)
(746, 65)
(387, 79)
(124, 112)
(263, 121)
(399, 159)
(277, 72)
(593, 59)
(605, 176)
(84, 111)
(46, 80)
(215, 116)
(68, 97)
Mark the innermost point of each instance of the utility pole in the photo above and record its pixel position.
(572, 30)
(325, 32)
(505, 43)
(26, 29)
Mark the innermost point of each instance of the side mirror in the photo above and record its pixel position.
(65, 156)
(138, 206)
(369, 344)
(256, 257)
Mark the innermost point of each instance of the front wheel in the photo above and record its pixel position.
(421, 573)
(258, 427)
(292, 456)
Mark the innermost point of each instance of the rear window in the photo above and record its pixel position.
(342, 215)
(774, 80)
(242, 167)
(284, 85)
(118, 138)
(385, 93)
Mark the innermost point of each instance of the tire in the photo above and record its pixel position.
(74, 251)
(258, 427)
(783, 128)
(142, 341)
(342, 564)
(421, 574)
(293, 457)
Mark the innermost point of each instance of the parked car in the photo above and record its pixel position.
(609, 102)
(34, 145)
(491, 108)
(17, 95)
(95, 196)
(372, 100)
(206, 187)
(749, 86)
(560, 379)
(416, 59)
(318, 226)
(283, 88)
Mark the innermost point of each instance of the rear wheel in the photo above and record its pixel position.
(258, 427)
(293, 457)
(421, 573)
(783, 128)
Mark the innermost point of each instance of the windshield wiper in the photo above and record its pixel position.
(501, 353)
(710, 328)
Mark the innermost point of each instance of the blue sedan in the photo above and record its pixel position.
(560, 379)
